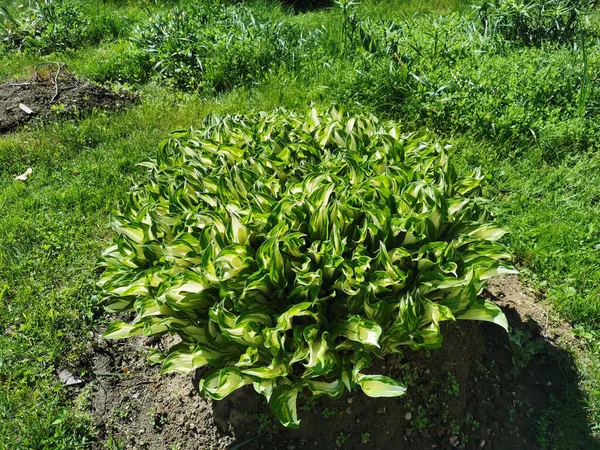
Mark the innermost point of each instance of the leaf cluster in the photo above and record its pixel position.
(42, 27)
(532, 22)
(48, 26)
(212, 47)
(288, 251)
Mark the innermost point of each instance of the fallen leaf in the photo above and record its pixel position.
(68, 379)
(25, 108)
(24, 176)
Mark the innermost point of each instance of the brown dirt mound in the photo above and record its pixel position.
(481, 390)
(52, 94)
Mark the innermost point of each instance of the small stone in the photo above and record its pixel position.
(549, 383)
(350, 400)
(453, 440)
(482, 444)
(408, 416)
(338, 444)
(26, 108)
(68, 379)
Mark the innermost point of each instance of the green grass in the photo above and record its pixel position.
(50, 240)
(552, 215)
(52, 229)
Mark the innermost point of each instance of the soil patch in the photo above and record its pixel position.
(51, 94)
(483, 389)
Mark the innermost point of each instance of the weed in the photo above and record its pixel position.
(420, 420)
(211, 48)
(523, 348)
(533, 22)
(328, 413)
(453, 387)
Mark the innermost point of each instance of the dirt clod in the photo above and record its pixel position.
(52, 94)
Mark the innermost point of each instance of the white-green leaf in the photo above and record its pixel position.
(283, 403)
(485, 311)
(220, 383)
(381, 386)
(120, 330)
(333, 389)
(361, 330)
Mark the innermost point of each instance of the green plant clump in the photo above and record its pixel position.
(49, 26)
(287, 251)
(211, 47)
(532, 22)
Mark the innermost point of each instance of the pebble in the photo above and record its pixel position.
(482, 444)
(453, 440)
(68, 379)
(408, 416)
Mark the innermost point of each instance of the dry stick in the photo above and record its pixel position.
(58, 67)
(544, 311)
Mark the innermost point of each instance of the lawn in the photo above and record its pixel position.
(524, 107)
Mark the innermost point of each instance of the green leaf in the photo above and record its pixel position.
(283, 403)
(380, 386)
(361, 330)
(218, 384)
(265, 387)
(120, 330)
(274, 370)
(488, 232)
(333, 389)
(284, 322)
(485, 311)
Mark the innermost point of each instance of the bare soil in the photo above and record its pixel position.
(481, 390)
(52, 94)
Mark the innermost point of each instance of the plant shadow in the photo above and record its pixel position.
(484, 389)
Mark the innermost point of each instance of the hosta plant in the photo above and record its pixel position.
(288, 251)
